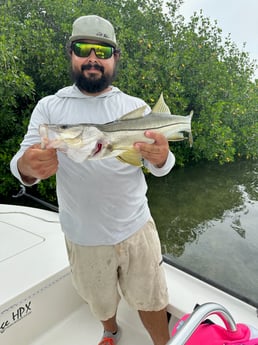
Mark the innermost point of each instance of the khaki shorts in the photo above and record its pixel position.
(135, 265)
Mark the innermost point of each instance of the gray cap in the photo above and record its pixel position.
(93, 28)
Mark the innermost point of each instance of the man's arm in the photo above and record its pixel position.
(37, 164)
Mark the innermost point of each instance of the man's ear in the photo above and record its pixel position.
(69, 50)
(117, 54)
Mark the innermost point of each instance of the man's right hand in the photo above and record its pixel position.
(37, 164)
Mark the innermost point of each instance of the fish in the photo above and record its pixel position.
(89, 141)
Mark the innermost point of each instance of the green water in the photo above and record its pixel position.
(207, 218)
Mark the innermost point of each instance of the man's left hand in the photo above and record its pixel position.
(157, 152)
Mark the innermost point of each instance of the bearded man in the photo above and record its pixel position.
(111, 238)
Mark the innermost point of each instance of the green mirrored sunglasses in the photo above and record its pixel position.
(83, 49)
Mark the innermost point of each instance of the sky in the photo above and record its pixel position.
(237, 17)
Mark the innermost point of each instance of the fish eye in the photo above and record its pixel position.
(64, 126)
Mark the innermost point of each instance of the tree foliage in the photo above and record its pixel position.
(189, 61)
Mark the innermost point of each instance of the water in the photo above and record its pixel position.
(207, 217)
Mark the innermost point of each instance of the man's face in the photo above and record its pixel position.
(92, 74)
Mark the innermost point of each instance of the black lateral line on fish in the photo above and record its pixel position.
(139, 128)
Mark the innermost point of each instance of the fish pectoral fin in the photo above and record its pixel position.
(176, 137)
(161, 106)
(139, 112)
(131, 157)
(180, 136)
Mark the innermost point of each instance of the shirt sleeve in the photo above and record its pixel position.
(170, 162)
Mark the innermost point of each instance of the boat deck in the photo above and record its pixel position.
(81, 328)
(39, 306)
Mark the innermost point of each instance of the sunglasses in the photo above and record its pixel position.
(83, 49)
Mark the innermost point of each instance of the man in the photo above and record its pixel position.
(110, 236)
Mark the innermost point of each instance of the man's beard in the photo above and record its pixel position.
(92, 84)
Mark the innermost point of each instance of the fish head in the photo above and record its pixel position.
(78, 142)
(60, 136)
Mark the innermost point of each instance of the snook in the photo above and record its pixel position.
(115, 139)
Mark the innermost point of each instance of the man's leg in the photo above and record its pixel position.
(143, 282)
(111, 331)
(157, 325)
(110, 325)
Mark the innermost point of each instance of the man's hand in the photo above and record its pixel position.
(37, 164)
(155, 153)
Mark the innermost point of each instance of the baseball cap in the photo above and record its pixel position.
(94, 28)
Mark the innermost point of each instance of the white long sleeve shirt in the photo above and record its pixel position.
(101, 202)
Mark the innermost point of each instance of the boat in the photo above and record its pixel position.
(39, 305)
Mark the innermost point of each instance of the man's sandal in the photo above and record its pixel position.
(109, 338)
(107, 341)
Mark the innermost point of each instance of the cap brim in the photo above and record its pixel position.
(93, 38)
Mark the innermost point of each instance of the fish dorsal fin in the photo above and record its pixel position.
(139, 112)
(160, 106)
